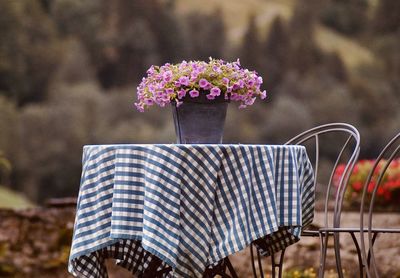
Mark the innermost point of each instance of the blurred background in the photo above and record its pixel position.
(69, 71)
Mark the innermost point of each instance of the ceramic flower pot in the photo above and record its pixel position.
(200, 120)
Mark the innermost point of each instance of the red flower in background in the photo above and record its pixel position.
(388, 191)
(357, 186)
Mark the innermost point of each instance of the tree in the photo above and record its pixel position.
(275, 52)
(28, 50)
(123, 37)
(336, 67)
(250, 51)
(387, 17)
(77, 18)
(206, 40)
(166, 27)
(346, 16)
(304, 54)
(128, 55)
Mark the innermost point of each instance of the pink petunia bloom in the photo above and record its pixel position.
(139, 107)
(215, 91)
(194, 93)
(171, 82)
(203, 83)
(181, 93)
(210, 96)
(149, 101)
(167, 76)
(184, 80)
(169, 91)
(263, 94)
(249, 101)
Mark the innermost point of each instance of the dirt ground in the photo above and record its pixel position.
(305, 253)
(35, 243)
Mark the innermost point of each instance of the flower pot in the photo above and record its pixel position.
(200, 120)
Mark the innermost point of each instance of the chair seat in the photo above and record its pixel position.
(310, 233)
(355, 230)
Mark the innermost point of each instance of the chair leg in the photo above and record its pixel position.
(278, 264)
(324, 237)
(260, 264)
(260, 269)
(361, 265)
(221, 270)
(370, 255)
(230, 267)
(338, 258)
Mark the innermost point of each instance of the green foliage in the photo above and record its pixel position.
(52, 135)
(348, 17)
(387, 17)
(275, 49)
(28, 50)
(206, 40)
(81, 60)
(250, 50)
(74, 17)
(8, 122)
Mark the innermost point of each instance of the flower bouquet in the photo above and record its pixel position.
(186, 85)
(174, 82)
(388, 193)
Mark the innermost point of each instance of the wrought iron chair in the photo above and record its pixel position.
(347, 153)
(387, 156)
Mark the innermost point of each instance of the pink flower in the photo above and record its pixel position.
(263, 94)
(249, 101)
(181, 93)
(194, 93)
(169, 91)
(203, 83)
(215, 91)
(171, 82)
(148, 101)
(167, 76)
(184, 80)
(210, 96)
(139, 107)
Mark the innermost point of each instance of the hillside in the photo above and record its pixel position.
(11, 199)
(237, 12)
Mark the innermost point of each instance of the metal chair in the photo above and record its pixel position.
(347, 152)
(389, 153)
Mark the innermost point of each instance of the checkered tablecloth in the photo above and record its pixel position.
(188, 205)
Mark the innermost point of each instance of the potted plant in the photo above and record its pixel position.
(388, 193)
(199, 92)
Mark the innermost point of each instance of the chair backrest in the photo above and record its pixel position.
(344, 147)
(389, 156)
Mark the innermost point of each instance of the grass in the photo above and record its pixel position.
(13, 200)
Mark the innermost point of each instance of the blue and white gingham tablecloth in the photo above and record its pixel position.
(189, 205)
